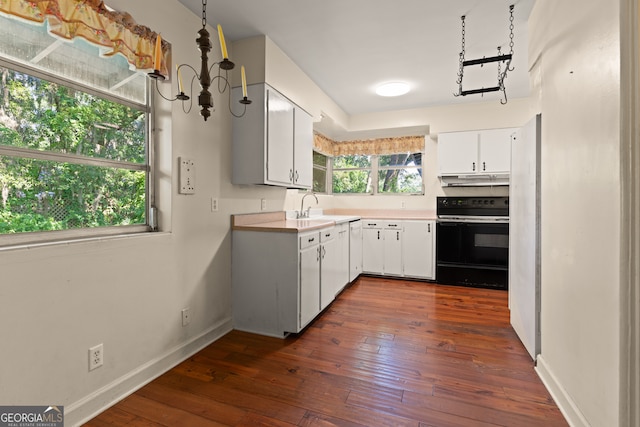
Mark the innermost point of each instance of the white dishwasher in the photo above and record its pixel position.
(355, 249)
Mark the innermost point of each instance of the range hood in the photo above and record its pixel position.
(474, 180)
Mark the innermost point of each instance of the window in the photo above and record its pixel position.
(352, 174)
(400, 173)
(396, 174)
(73, 135)
(319, 172)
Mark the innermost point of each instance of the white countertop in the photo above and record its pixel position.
(286, 221)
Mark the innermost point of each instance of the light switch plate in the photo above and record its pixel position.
(187, 184)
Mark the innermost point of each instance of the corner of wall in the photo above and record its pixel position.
(564, 401)
(250, 52)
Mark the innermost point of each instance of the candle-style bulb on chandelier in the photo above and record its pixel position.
(205, 100)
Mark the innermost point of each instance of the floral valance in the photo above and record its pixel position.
(91, 20)
(402, 144)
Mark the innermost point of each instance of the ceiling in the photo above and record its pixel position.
(348, 47)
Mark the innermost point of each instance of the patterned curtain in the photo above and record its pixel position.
(398, 145)
(91, 20)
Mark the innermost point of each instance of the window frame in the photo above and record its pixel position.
(374, 169)
(9, 240)
(326, 168)
(398, 167)
(370, 168)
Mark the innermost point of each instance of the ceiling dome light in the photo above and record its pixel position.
(392, 89)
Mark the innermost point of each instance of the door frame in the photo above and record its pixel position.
(630, 213)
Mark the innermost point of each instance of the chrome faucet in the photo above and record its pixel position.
(302, 213)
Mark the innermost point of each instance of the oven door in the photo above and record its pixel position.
(472, 253)
(486, 244)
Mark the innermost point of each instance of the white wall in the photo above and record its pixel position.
(574, 49)
(56, 301)
(59, 300)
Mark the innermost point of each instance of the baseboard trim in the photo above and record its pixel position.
(88, 407)
(565, 403)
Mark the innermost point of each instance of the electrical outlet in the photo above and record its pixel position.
(187, 176)
(96, 355)
(263, 204)
(186, 316)
(214, 204)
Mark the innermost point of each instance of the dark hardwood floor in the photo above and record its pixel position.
(385, 353)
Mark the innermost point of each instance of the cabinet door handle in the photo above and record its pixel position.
(297, 176)
(428, 228)
(312, 239)
(378, 235)
(397, 235)
(484, 166)
(290, 174)
(474, 166)
(324, 252)
(318, 254)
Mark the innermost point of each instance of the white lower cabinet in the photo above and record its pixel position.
(282, 281)
(309, 277)
(392, 264)
(372, 247)
(343, 236)
(329, 266)
(399, 248)
(418, 249)
(334, 262)
(355, 249)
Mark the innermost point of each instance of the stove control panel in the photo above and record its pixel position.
(495, 206)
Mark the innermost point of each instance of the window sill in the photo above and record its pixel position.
(18, 241)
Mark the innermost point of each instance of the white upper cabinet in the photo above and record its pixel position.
(273, 141)
(303, 149)
(280, 139)
(457, 153)
(481, 152)
(495, 150)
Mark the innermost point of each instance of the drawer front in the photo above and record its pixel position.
(394, 225)
(308, 240)
(371, 224)
(326, 235)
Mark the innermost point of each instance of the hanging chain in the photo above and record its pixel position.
(462, 53)
(511, 29)
(508, 67)
(500, 83)
(204, 13)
